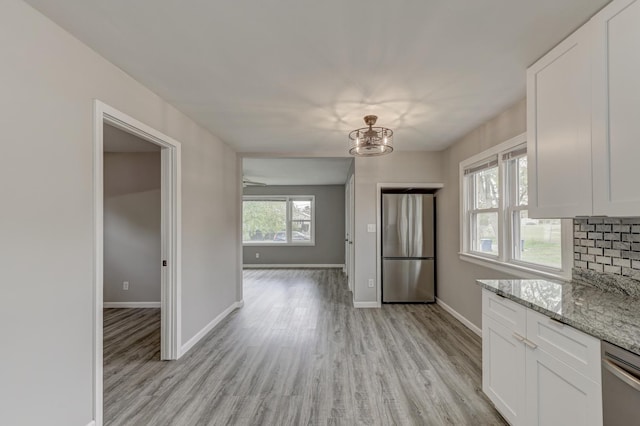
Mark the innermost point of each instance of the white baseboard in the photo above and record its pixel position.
(207, 328)
(131, 304)
(92, 423)
(471, 326)
(290, 265)
(365, 304)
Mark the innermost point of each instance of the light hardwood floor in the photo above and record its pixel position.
(298, 353)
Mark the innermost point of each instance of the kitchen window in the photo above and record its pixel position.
(278, 220)
(496, 228)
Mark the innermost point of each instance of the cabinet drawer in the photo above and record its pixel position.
(504, 311)
(574, 348)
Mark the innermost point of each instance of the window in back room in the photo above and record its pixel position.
(278, 220)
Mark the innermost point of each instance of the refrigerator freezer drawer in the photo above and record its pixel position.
(408, 280)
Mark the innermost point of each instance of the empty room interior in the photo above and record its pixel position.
(329, 213)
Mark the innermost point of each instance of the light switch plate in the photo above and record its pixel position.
(371, 227)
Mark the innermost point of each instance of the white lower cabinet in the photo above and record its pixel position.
(540, 372)
(558, 395)
(503, 375)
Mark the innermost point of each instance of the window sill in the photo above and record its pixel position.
(513, 269)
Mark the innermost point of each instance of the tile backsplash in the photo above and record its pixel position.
(611, 245)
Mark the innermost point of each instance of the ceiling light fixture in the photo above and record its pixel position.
(371, 141)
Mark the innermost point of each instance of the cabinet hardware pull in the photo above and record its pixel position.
(530, 344)
(518, 337)
(556, 322)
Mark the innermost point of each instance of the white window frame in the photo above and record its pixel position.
(505, 261)
(289, 200)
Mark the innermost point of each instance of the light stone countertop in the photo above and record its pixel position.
(608, 316)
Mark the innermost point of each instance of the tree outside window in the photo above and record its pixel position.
(279, 220)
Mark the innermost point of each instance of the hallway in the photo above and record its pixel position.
(299, 353)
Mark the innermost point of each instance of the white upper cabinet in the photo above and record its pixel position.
(583, 122)
(559, 129)
(616, 109)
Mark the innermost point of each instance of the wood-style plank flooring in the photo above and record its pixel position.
(298, 353)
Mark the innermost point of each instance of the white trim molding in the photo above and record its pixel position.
(291, 265)
(171, 188)
(207, 328)
(92, 423)
(511, 268)
(132, 305)
(366, 304)
(457, 315)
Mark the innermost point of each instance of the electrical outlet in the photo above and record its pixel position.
(371, 227)
(257, 255)
(372, 283)
(125, 285)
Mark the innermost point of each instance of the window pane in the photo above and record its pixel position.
(485, 232)
(540, 240)
(521, 175)
(301, 209)
(264, 220)
(301, 230)
(486, 189)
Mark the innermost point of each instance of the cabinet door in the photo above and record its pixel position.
(616, 109)
(558, 395)
(559, 130)
(503, 369)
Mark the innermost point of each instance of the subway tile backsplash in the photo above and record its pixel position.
(609, 245)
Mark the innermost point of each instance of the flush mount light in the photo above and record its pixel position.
(371, 141)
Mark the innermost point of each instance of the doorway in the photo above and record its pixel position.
(170, 255)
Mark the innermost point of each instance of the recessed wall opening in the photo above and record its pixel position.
(294, 212)
(132, 256)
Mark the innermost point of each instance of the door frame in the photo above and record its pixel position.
(379, 187)
(171, 239)
(350, 234)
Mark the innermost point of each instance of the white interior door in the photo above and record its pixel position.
(350, 246)
(347, 230)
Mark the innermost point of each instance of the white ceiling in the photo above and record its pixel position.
(295, 76)
(297, 171)
(116, 140)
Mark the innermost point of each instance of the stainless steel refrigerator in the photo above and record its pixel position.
(408, 247)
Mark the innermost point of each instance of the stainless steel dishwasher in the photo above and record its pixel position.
(620, 386)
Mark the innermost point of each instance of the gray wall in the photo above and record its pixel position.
(132, 235)
(456, 278)
(402, 167)
(49, 81)
(330, 216)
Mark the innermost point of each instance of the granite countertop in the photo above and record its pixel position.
(609, 316)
